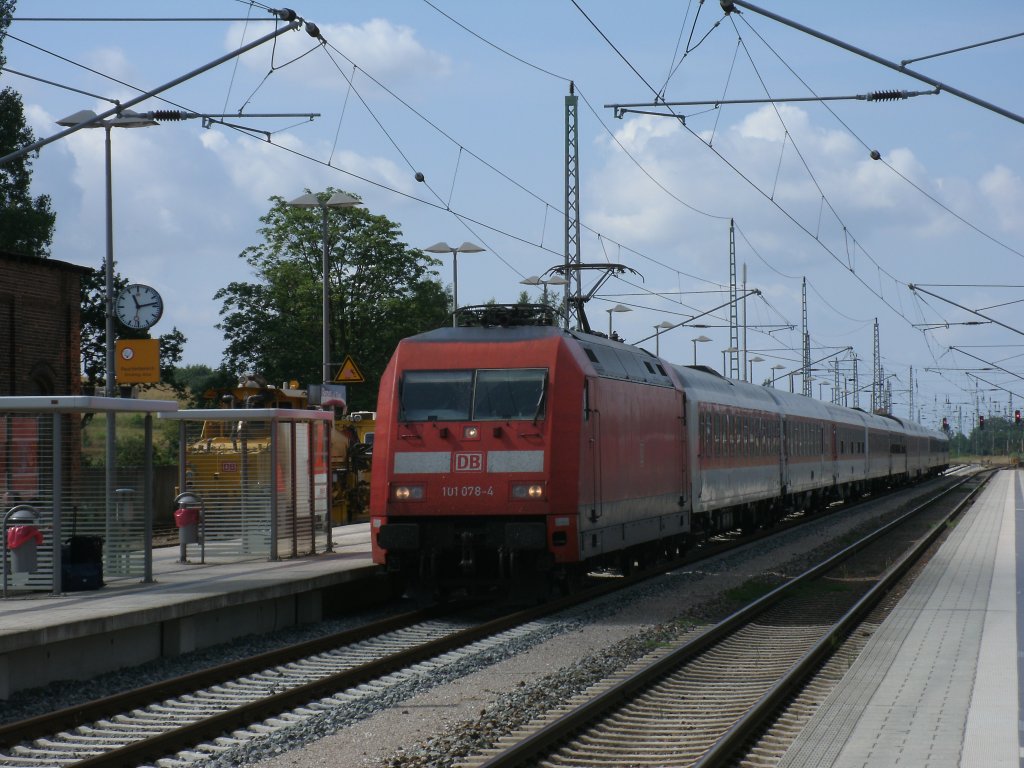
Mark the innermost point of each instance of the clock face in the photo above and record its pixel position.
(139, 306)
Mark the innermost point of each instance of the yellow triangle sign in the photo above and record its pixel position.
(349, 372)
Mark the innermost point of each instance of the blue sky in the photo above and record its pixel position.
(472, 96)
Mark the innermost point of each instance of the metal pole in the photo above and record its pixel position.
(147, 504)
(108, 389)
(57, 582)
(455, 286)
(326, 358)
(745, 374)
(273, 489)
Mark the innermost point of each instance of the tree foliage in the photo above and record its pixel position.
(26, 224)
(380, 291)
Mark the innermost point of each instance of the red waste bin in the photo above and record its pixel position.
(22, 541)
(187, 520)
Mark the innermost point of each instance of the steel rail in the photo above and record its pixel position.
(756, 717)
(545, 739)
(79, 714)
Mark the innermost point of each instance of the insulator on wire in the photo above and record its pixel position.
(169, 115)
(887, 95)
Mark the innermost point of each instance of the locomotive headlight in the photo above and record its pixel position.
(409, 492)
(471, 433)
(531, 491)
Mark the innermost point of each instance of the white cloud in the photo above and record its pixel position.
(1004, 192)
(384, 50)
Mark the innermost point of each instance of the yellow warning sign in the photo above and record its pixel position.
(349, 372)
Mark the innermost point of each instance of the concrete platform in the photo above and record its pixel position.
(188, 606)
(939, 683)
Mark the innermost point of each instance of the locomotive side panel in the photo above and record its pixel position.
(633, 449)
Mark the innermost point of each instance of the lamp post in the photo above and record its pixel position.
(443, 247)
(697, 340)
(663, 325)
(337, 200)
(727, 350)
(776, 367)
(535, 280)
(127, 119)
(616, 308)
(750, 367)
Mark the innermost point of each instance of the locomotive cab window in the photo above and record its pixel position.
(486, 395)
(436, 395)
(509, 393)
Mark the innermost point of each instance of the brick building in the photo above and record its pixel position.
(40, 326)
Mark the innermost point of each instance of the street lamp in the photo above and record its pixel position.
(750, 367)
(663, 325)
(535, 280)
(616, 308)
(727, 350)
(443, 247)
(701, 338)
(337, 200)
(127, 119)
(776, 367)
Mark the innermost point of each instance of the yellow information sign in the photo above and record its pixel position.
(349, 373)
(138, 361)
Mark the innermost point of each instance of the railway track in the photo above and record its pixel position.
(706, 699)
(216, 710)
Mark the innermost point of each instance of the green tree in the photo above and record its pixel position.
(200, 380)
(26, 224)
(380, 291)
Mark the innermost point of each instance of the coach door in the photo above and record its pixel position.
(684, 453)
(783, 455)
(590, 500)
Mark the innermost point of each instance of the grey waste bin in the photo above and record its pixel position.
(23, 539)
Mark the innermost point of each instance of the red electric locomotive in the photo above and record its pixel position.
(506, 451)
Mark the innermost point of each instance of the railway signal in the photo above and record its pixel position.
(981, 422)
(1016, 417)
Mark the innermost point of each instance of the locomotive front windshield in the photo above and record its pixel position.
(495, 394)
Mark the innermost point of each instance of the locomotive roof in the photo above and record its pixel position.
(490, 333)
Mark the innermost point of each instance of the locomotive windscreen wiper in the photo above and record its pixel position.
(540, 399)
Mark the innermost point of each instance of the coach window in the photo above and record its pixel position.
(509, 393)
(436, 395)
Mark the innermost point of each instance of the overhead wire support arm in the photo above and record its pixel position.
(729, 6)
(914, 287)
(621, 109)
(749, 292)
(293, 23)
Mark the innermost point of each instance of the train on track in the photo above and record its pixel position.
(511, 451)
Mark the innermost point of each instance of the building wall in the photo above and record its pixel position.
(40, 326)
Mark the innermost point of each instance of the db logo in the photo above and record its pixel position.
(228, 466)
(469, 462)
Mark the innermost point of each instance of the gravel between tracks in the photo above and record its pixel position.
(440, 724)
